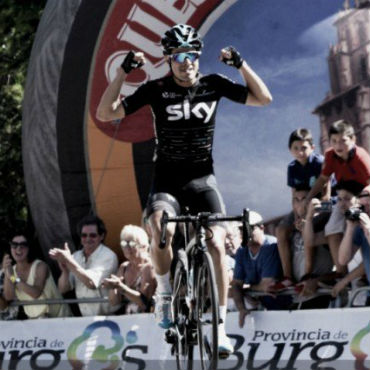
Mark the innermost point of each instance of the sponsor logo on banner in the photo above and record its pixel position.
(358, 348)
(288, 350)
(139, 25)
(94, 351)
(104, 345)
(101, 346)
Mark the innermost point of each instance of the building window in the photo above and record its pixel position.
(362, 32)
(363, 68)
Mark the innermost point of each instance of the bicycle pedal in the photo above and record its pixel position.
(170, 336)
(223, 355)
(193, 337)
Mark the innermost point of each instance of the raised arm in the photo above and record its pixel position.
(346, 248)
(259, 94)
(318, 187)
(117, 287)
(113, 284)
(65, 259)
(9, 287)
(110, 107)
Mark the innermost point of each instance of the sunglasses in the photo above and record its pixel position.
(20, 244)
(130, 243)
(91, 235)
(364, 195)
(180, 57)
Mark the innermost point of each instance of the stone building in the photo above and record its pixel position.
(349, 72)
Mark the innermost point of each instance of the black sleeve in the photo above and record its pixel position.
(230, 89)
(142, 96)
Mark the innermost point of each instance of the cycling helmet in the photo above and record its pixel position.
(181, 36)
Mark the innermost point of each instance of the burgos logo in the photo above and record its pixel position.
(87, 348)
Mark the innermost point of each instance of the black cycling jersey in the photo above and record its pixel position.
(184, 116)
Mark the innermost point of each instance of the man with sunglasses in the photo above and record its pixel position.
(184, 105)
(85, 269)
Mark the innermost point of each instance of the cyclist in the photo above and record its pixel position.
(184, 105)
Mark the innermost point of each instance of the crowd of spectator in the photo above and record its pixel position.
(323, 242)
(317, 241)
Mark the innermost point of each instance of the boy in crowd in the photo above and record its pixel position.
(347, 198)
(357, 234)
(302, 172)
(346, 161)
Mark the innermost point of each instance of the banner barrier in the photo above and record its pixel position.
(275, 340)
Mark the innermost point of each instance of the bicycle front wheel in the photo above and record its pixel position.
(183, 347)
(207, 312)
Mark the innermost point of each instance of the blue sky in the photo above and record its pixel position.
(286, 42)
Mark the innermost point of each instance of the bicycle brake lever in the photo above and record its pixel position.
(164, 220)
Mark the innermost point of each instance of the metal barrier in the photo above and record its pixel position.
(58, 301)
(337, 302)
(353, 294)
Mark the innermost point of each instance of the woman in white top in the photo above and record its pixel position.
(30, 279)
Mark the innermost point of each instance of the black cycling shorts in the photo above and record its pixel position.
(199, 195)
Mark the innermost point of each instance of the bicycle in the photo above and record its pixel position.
(195, 306)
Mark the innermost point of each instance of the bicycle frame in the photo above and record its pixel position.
(201, 294)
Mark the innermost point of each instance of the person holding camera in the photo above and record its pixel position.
(347, 192)
(348, 162)
(357, 234)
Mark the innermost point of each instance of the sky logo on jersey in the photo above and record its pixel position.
(201, 110)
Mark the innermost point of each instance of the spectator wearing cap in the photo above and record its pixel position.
(257, 265)
(85, 269)
(134, 284)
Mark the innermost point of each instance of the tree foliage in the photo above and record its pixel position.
(18, 24)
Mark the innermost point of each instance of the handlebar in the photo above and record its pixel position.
(204, 219)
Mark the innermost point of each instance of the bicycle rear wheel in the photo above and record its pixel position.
(182, 348)
(207, 312)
